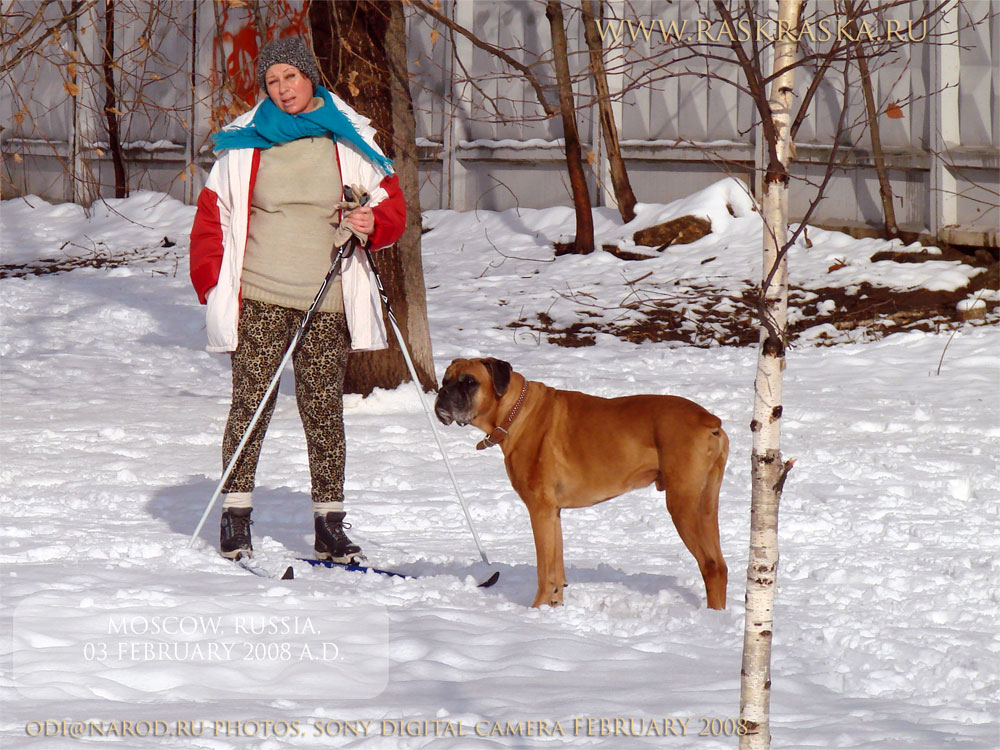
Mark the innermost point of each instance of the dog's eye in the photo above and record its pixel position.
(469, 381)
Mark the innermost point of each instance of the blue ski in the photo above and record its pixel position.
(251, 566)
(352, 566)
(368, 569)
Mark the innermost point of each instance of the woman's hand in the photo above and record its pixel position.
(362, 219)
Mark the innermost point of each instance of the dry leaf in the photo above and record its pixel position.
(591, 157)
(19, 117)
(71, 70)
(894, 112)
(17, 158)
(98, 151)
(351, 86)
(434, 36)
(184, 175)
(71, 88)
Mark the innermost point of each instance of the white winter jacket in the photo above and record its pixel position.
(219, 238)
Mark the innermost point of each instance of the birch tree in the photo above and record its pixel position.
(768, 470)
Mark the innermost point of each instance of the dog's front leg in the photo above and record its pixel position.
(548, 550)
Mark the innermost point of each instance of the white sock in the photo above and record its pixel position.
(333, 506)
(237, 500)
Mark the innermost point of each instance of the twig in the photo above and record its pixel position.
(953, 333)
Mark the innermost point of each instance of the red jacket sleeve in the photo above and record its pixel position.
(390, 215)
(206, 244)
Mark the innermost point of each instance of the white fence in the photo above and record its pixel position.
(488, 145)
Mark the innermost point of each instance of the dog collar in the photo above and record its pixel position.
(493, 438)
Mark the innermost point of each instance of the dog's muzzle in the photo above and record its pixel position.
(452, 406)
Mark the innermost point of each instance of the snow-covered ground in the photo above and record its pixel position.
(886, 619)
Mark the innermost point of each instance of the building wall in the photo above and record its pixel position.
(490, 145)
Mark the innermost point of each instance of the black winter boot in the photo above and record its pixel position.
(331, 541)
(234, 533)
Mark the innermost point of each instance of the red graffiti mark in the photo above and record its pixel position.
(240, 47)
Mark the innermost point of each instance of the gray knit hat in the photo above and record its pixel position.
(292, 50)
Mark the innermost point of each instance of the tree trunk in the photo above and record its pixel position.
(624, 196)
(583, 243)
(111, 110)
(361, 48)
(768, 470)
(884, 188)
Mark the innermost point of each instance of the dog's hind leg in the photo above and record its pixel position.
(715, 585)
(693, 503)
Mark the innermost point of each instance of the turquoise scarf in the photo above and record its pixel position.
(270, 126)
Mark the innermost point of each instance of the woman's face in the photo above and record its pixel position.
(288, 88)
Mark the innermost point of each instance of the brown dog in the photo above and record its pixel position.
(565, 449)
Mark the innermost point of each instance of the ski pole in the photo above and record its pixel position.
(427, 411)
(345, 250)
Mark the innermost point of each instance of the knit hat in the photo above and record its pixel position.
(292, 50)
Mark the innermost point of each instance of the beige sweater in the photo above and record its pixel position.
(290, 242)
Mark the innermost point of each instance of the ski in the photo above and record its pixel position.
(258, 570)
(352, 566)
(249, 565)
(381, 571)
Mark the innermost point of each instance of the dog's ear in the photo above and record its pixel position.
(500, 374)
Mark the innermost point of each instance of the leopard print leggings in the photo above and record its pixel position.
(319, 363)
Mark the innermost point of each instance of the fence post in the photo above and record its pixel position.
(945, 128)
(454, 175)
(85, 172)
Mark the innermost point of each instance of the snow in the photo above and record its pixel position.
(112, 413)
(148, 146)
(513, 143)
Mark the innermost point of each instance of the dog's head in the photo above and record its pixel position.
(471, 388)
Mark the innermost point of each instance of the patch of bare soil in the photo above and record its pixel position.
(96, 258)
(706, 317)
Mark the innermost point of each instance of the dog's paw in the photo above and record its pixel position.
(551, 598)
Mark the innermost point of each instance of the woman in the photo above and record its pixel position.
(262, 243)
